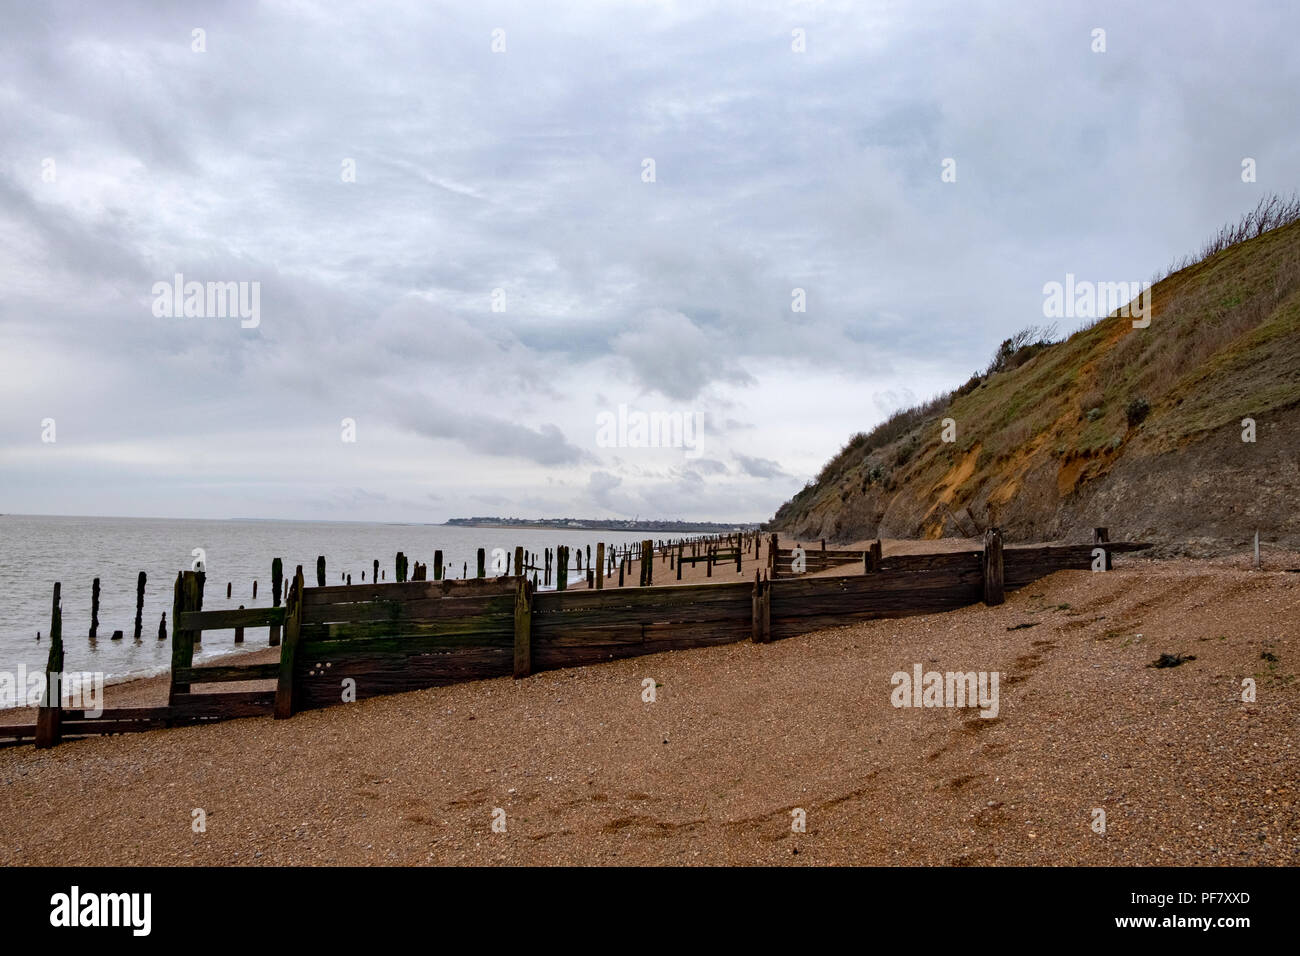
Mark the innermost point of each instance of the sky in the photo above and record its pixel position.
(476, 232)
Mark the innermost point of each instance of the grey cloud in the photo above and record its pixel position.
(761, 467)
(544, 445)
(522, 171)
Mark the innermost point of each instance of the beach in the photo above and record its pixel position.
(741, 736)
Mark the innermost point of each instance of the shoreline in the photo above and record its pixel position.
(740, 734)
(152, 689)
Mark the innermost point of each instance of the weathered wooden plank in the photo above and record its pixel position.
(123, 713)
(549, 602)
(930, 562)
(897, 583)
(110, 726)
(320, 686)
(224, 705)
(419, 609)
(405, 644)
(405, 591)
(215, 674)
(485, 625)
(220, 620)
(690, 614)
(836, 556)
(574, 648)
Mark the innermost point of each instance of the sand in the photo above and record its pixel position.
(742, 735)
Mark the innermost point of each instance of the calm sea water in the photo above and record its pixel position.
(36, 551)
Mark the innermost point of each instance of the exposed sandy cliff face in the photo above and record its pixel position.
(1137, 429)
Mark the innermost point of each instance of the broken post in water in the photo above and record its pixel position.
(139, 604)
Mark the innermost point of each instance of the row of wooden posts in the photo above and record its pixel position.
(555, 564)
(610, 624)
(552, 565)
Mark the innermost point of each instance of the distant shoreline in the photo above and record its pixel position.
(596, 525)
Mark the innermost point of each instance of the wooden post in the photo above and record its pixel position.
(519, 560)
(761, 627)
(239, 630)
(182, 639)
(162, 627)
(767, 610)
(648, 561)
(94, 609)
(50, 713)
(397, 567)
(292, 629)
(437, 566)
(229, 585)
(200, 579)
(320, 571)
(622, 564)
(994, 593)
(277, 575)
(708, 562)
(771, 556)
(876, 555)
(600, 566)
(679, 560)
(738, 550)
(481, 571)
(561, 568)
(254, 589)
(523, 628)
(139, 604)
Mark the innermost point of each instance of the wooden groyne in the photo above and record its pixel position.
(342, 643)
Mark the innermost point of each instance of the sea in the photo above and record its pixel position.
(36, 551)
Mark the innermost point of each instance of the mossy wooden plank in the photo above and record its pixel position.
(420, 609)
(223, 620)
(406, 590)
(407, 644)
(469, 624)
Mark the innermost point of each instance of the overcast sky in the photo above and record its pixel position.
(128, 156)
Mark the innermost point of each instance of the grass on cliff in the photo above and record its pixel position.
(1222, 346)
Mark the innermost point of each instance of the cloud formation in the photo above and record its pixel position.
(459, 250)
